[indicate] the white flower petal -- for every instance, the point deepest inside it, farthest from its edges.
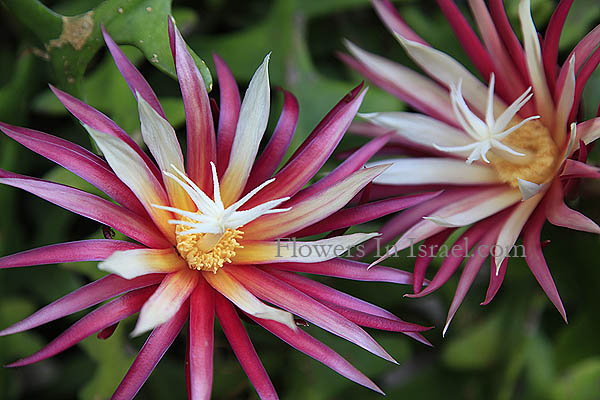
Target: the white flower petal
(565, 103)
(529, 189)
(130, 264)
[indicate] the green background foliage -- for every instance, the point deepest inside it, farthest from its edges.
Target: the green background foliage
(516, 348)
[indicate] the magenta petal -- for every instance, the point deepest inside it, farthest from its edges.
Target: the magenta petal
(389, 15)
(577, 169)
(201, 341)
(582, 77)
(155, 347)
(84, 297)
(95, 208)
(95, 119)
(310, 346)
(135, 80)
(348, 269)
(273, 290)
(97, 320)
(495, 281)
(243, 348)
(535, 258)
(364, 213)
(582, 52)
(432, 244)
(229, 113)
(559, 214)
(275, 150)
(82, 250)
(551, 39)
(313, 153)
(77, 160)
(201, 145)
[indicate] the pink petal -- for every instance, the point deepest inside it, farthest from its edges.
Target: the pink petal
(310, 346)
(551, 39)
(577, 169)
(84, 297)
(289, 298)
(496, 280)
(82, 250)
(201, 341)
(582, 77)
(278, 145)
(348, 269)
(229, 114)
(559, 214)
(155, 347)
(95, 119)
(392, 19)
(243, 348)
(135, 80)
(201, 143)
(77, 160)
(103, 317)
(535, 259)
(95, 208)
(432, 245)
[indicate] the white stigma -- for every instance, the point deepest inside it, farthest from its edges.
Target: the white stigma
(486, 134)
(212, 216)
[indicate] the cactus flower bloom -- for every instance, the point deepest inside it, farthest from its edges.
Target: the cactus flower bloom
(206, 232)
(505, 150)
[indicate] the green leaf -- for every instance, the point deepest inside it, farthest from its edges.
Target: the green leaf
(582, 382)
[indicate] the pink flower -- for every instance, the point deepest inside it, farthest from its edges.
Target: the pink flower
(505, 154)
(208, 230)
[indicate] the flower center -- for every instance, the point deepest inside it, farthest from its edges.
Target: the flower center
(208, 237)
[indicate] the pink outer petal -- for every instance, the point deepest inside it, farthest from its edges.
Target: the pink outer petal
(229, 114)
(577, 169)
(584, 74)
(243, 348)
(551, 39)
(582, 52)
(364, 213)
(509, 38)
(291, 299)
(389, 15)
(310, 346)
(352, 164)
(422, 262)
(535, 258)
(99, 319)
(135, 80)
(313, 153)
(201, 142)
(95, 208)
(155, 347)
(84, 297)
(275, 151)
(560, 215)
(95, 119)
(77, 160)
(495, 281)
(82, 250)
(348, 269)
(201, 341)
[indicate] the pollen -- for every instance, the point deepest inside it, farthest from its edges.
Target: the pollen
(190, 249)
(535, 140)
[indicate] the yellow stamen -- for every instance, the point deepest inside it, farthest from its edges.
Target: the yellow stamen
(534, 140)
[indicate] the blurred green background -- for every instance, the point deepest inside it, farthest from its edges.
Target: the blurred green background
(516, 348)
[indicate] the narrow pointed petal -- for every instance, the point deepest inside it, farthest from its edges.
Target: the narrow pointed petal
(310, 210)
(551, 39)
(373, 321)
(274, 152)
(537, 263)
(394, 22)
(560, 215)
(103, 317)
(267, 252)
(229, 95)
(91, 117)
(577, 169)
(81, 250)
(589, 130)
(533, 56)
(496, 279)
(162, 142)
(135, 80)
(130, 168)
(287, 297)
(95, 208)
(231, 288)
(201, 141)
(201, 345)
(84, 297)
(254, 115)
(155, 347)
(310, 346)
(349, 269)
(166, 301)
(244, 350)
(77, 160)
(423, 171)
(432, 245)
(565, 104)
(130, 264)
